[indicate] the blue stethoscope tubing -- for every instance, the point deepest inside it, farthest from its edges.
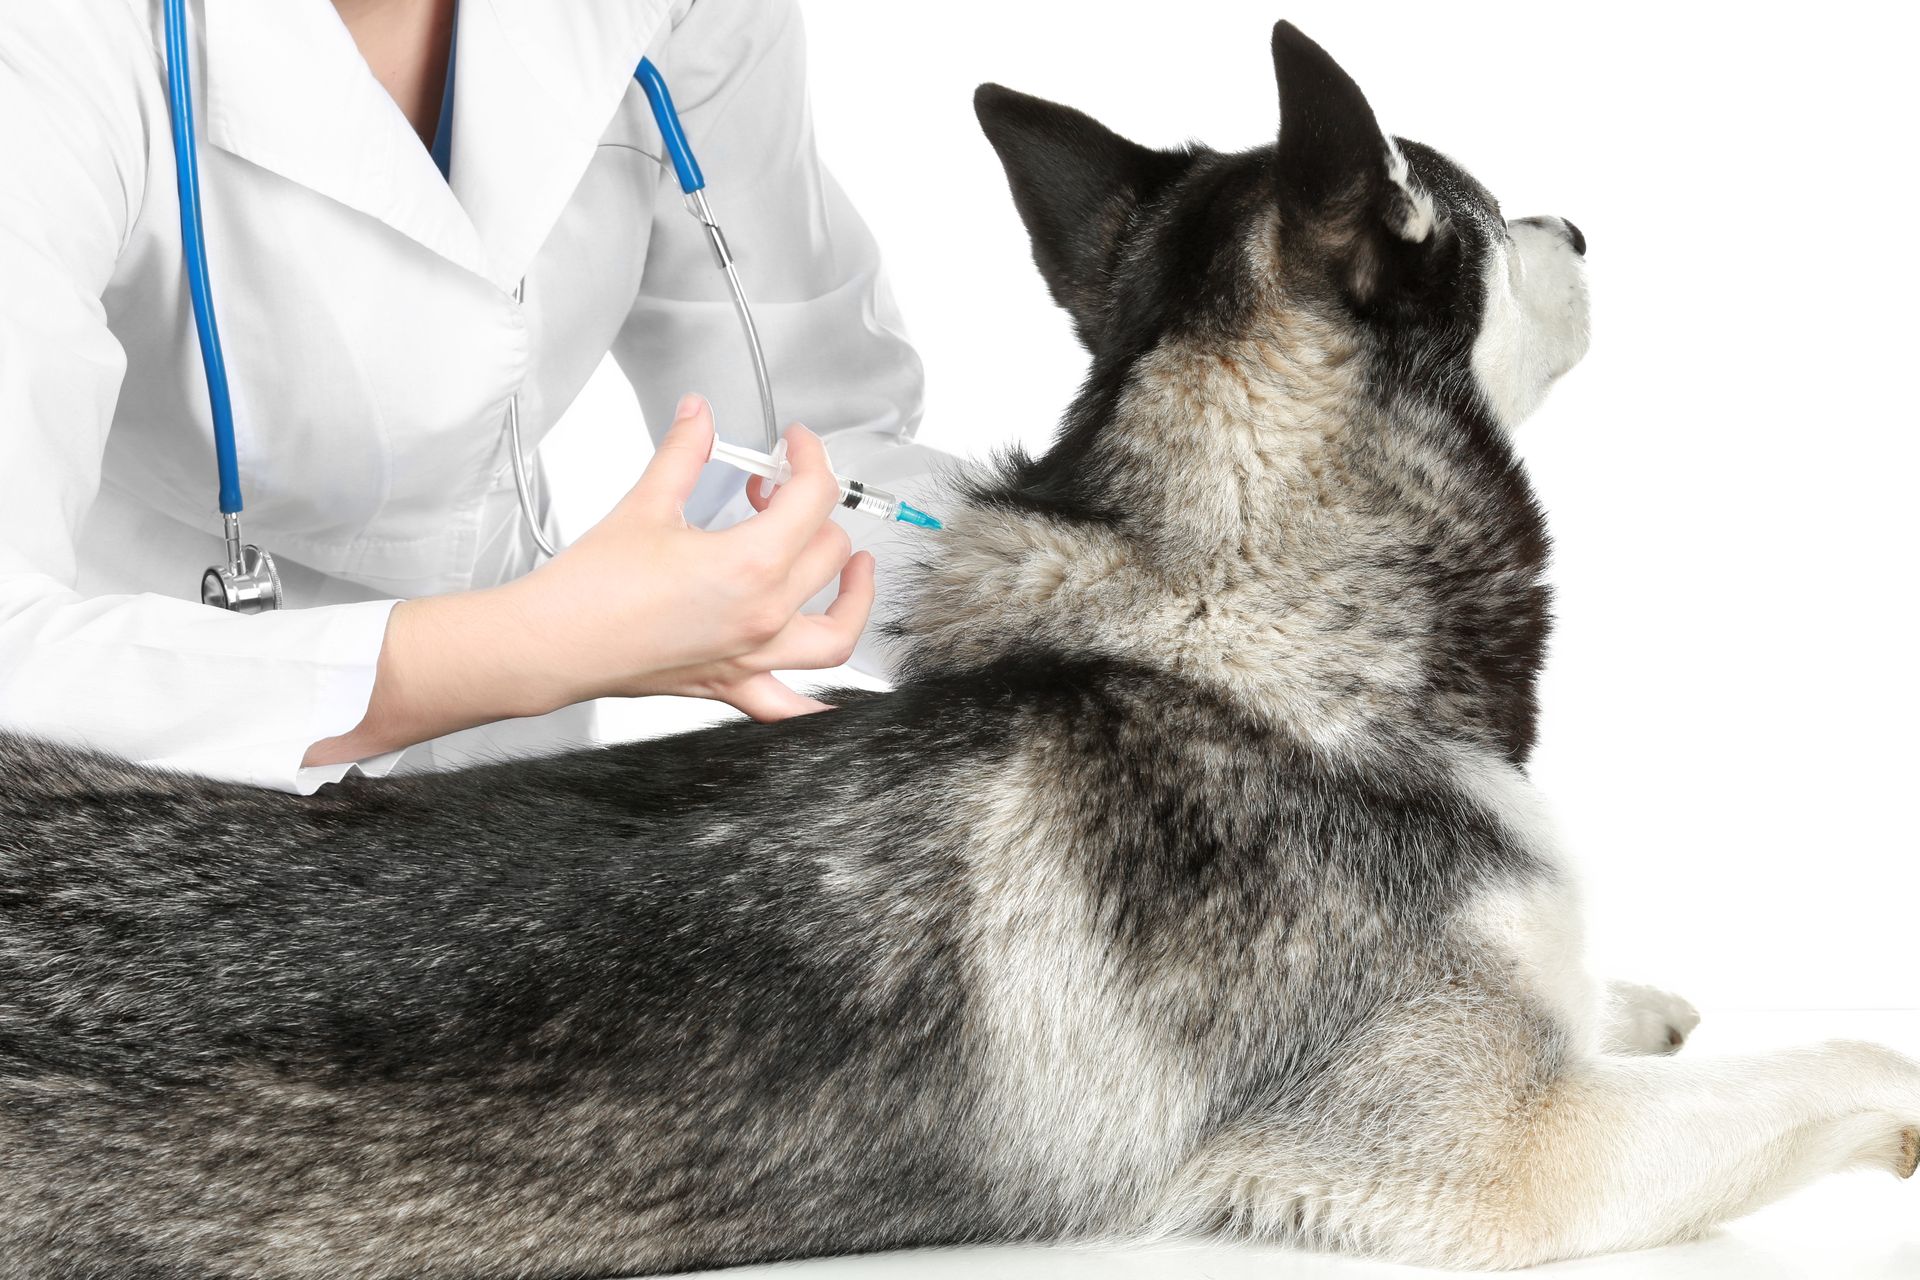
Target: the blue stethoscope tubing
(193, 237)
(251, 582)
(685, 168)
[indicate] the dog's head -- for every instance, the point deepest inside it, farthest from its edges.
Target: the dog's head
(1389, 244)
(1287, 474)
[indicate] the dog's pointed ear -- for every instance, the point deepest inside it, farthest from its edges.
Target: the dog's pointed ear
(1334, 169)
(1076, 183)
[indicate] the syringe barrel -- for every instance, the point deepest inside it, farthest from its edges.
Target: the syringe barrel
(855, 496)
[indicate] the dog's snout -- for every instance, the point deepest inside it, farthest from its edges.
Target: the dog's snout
(1561, 226)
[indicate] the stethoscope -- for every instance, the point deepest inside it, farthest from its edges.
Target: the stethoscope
(248, 581)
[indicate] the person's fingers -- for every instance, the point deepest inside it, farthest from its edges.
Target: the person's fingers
(802, 504)
(811, 642)
(765, 699)
(819, 563)
(855, 602)
(759, 492)
(682, 452)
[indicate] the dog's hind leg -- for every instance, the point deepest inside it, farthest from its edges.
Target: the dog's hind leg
(1615, 1153)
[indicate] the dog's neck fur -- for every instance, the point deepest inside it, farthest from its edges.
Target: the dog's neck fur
(1284, 536)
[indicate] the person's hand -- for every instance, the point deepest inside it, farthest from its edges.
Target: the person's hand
(644, 603)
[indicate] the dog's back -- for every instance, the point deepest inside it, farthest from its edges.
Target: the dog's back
(922, 970)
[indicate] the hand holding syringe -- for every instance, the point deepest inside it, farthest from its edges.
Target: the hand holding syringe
(854, 495)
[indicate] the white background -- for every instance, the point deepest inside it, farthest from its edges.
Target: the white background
(1729, 733)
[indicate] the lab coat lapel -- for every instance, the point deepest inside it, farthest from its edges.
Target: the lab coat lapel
(287, 89)
(537, 83)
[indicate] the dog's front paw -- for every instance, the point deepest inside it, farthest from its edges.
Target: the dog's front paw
(1646, 1019)
(1881, 1141)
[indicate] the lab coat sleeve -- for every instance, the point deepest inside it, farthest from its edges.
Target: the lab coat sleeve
(163, 681)
(836, 346)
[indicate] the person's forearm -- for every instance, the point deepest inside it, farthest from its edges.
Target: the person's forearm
(447, 663)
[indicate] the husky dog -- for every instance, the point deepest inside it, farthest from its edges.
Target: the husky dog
(1189, 885)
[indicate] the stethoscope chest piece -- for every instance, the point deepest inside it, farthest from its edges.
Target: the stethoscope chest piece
(246, 583)
(252, 586)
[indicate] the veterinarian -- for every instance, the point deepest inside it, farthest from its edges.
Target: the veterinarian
(379, 177)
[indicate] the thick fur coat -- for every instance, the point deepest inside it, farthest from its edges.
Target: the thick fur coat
(1189, 884)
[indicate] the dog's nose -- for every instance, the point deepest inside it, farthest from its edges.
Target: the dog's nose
(1574, 238)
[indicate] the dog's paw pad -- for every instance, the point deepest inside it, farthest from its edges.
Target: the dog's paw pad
(1909, 1157)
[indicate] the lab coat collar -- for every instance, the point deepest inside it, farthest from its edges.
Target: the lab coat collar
(535, 85)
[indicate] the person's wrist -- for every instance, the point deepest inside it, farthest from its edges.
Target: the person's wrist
(534, 666)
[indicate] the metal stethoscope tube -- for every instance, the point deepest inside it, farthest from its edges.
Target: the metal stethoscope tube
(521, 485)
(696, 202)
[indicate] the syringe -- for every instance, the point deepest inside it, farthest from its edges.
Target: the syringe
(854, 495)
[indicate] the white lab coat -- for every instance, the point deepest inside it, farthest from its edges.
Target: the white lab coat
(372, 337)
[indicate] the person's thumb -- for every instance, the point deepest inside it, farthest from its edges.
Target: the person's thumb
(766, 699)
(681, 453)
